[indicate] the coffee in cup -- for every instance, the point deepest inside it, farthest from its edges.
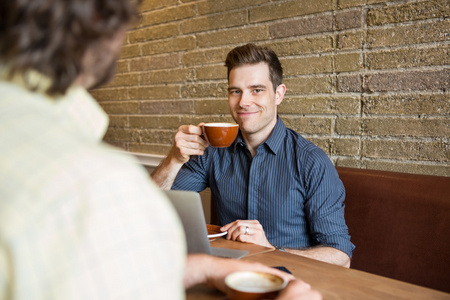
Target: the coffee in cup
(220, 134)
(249, 285)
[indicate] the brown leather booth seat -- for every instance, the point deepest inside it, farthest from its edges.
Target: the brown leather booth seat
(400, 224)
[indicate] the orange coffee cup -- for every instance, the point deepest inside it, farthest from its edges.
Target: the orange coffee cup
(220, 134)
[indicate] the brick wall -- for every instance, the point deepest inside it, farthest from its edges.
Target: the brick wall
(367, 80)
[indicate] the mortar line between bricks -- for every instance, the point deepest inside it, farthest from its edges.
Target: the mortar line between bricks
(408, 23)
(406, 161)
(402, 70)
(417, 46)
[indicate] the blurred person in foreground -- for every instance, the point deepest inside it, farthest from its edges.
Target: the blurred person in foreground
(79, 220)
(272, 187)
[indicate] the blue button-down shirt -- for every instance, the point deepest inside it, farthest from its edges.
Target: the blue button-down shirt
(290, 186)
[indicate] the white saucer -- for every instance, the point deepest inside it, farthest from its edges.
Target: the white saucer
(210, 236)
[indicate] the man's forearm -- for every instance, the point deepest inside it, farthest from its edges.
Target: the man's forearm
(165, 174)
(326, 254)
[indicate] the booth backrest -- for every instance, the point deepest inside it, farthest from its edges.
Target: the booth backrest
(400, 224)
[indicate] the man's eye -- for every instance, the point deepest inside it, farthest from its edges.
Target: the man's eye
(235, 92)
(257, 91)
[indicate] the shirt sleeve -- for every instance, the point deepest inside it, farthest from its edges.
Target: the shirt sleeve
(324, 205)
(193, 175)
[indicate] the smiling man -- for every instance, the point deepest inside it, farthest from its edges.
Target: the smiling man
(272, 187)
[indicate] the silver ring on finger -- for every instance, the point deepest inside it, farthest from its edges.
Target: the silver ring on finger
(246, 229)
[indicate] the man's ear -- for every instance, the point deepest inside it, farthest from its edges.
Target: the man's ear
(279, 93)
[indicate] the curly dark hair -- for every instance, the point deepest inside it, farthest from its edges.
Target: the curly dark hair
(51, 36)
(252, 54)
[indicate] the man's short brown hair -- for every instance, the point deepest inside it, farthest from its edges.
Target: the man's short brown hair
(251, 54)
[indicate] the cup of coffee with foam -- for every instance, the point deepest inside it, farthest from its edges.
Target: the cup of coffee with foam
(220, 134)
(250, 285)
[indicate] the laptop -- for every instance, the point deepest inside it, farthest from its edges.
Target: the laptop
(189, 207)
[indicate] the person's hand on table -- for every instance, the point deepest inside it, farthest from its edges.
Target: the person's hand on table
(248, 231)
(188, 141)
(211, 270)
(298, 290)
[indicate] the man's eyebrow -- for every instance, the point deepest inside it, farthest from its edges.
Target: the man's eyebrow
(258, 86)
(253, 86)
(232, 88)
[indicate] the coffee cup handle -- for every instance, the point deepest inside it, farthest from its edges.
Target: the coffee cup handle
(203, 136)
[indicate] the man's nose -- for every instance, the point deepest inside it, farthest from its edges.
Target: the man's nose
(245, 99)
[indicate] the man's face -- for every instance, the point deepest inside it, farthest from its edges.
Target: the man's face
(253, 102)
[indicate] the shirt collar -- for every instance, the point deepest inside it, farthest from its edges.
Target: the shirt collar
(84, 113)
(77, 107)
(273, 142)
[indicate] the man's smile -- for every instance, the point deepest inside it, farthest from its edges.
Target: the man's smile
(246, 113)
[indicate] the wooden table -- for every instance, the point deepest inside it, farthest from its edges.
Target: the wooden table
(252, 248)
(332, 281)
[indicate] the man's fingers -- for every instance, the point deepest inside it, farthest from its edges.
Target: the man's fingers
(190, 129)
(190, 140)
